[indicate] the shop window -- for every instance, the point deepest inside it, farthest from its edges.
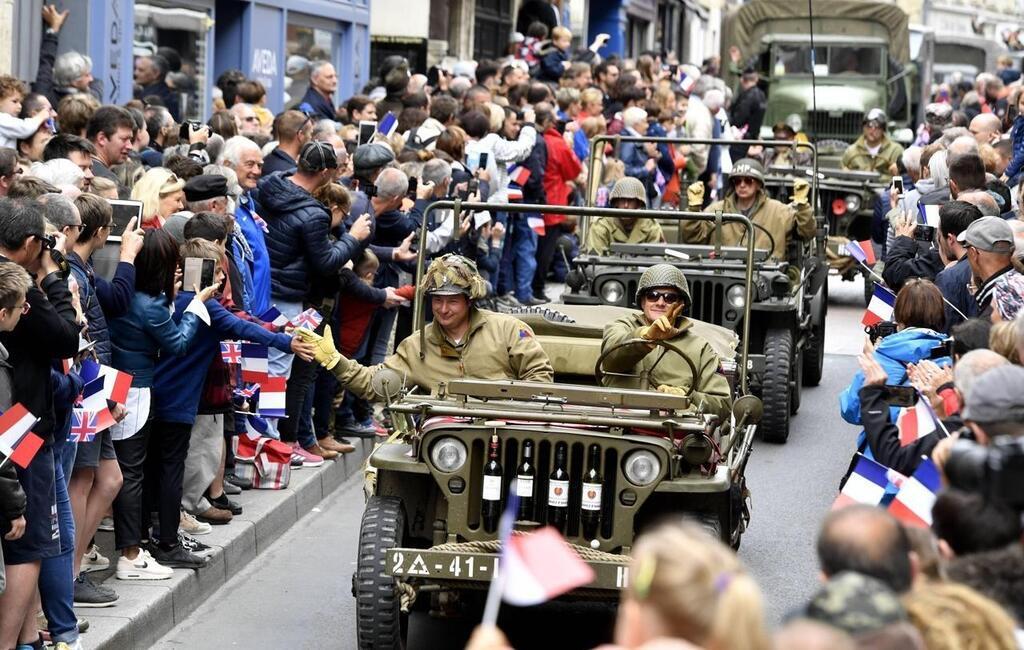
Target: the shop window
(304, 45)
(186, 31)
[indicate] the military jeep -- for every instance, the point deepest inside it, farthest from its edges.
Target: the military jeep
(423, 542)
(787, 297)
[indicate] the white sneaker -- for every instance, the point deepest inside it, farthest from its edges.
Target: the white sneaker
(93, 560)
(63, 645)
(189, 524)
(143, 567)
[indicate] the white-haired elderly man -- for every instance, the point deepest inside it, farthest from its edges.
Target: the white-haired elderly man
(319, 98)
(244, 157)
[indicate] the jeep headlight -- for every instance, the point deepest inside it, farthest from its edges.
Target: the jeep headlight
(448, 454)
(641, 467)
(852, 203)
(737, 296)
(613, 292)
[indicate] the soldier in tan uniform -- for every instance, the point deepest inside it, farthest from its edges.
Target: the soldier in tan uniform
(628, 194)
(462, 341)
(663, 294)
(747, 197)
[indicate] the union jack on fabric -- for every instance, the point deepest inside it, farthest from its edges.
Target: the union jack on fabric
(310, 319)
(231, 352)
(84, 426)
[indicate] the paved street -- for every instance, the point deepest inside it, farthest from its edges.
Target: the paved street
(297, 594)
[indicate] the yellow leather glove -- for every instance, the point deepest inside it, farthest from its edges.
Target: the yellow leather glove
(801, 188)
(664, 327)
(672, 390)
(695, 193)
(326, 354)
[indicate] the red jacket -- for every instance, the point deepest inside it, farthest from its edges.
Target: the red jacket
(563, 166)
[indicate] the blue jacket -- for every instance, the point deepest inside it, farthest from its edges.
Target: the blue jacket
(101, 299)
(259, 265)
(893, 353)
(666, 165)
(634, 157)
(298, 242)
(179, 380)
(317, 104)
(952, 282)
(278, 161)
(551, 68)
(536, 162)
(1017, 140)
(390, 228)
(146, 331)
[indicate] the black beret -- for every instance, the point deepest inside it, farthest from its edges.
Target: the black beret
(205, 186)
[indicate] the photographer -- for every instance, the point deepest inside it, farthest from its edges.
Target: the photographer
(918, 314)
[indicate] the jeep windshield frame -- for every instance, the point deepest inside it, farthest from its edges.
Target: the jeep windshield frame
(457, 206)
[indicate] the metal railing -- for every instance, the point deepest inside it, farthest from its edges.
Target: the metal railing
(458, 206)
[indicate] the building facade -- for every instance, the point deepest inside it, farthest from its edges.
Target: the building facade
(272, 41)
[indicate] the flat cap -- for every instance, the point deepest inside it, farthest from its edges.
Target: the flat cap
(996, 396)
(372, 156)
(991, 234)
(205, 186)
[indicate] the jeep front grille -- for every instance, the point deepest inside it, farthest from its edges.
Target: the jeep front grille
(827, 125)
(708, 301)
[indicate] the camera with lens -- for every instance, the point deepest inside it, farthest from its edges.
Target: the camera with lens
(880, 330)
(183, 130)
(997, 471)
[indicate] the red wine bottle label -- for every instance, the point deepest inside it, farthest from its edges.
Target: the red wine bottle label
(591, 496)
(492, 488)
(558, 493)
(524, 486)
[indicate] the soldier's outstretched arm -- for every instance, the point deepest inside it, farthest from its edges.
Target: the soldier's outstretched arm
(351, 374)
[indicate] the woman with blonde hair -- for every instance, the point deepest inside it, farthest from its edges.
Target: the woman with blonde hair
(162, 194)
(1002, 339)
(952, 616)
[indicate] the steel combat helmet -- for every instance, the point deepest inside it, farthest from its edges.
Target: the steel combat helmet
(748, 168)
(451, 275)
(663, 275)
(629, 188)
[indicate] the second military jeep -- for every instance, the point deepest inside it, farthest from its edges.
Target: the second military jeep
(424, 541)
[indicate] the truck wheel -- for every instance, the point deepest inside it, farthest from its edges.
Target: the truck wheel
(796, 383)
(775, 386)
(814, 357)
(380, 625)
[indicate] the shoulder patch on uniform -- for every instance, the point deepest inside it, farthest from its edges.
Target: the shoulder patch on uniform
(524, 333)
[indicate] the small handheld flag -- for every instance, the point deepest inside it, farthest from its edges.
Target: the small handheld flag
(880, 308)
(17, 441)
(388, 125)
(518, 174)
(915, 423)
(310, 319)
(913, 503)
(865, 485)
(114, 382)
(536, 224)
(231, 352)
(272, 397)
(862, 251)
(274, 317)
(254, 362)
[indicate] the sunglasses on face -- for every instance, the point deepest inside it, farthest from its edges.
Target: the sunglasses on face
(743, 180)
(669, 297)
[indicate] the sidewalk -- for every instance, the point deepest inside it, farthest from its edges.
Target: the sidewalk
(147, 609)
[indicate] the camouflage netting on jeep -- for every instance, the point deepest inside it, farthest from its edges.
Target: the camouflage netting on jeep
(451, 275)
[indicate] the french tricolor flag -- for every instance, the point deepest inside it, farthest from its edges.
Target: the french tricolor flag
(862, 251)
(274, 317)
(388, 125)
(865, 485)
(254, 362)
(518, 174)
(916, 422)
(913, 503)
(880, 308)
(272, 397)
(536, 224)
(686, 82)
(115, 383)
(17, 441)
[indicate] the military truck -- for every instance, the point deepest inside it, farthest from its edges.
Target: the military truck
(859, 62)
(788, 297)
(423, 542)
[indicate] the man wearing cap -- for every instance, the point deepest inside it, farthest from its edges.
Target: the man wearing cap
(995, 404)
(301, 254)
(989, 244)
(627, 194)
(873, 151)
(781, 155)
(292, 130)
(663, 295)
(746, 196)
(938, 116)
(461, 341)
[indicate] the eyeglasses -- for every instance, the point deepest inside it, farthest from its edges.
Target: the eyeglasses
(669, 297)
(743, 180)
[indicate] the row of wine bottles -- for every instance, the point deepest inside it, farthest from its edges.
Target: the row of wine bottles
(558, 489)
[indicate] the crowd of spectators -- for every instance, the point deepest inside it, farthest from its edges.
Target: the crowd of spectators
(303, 210)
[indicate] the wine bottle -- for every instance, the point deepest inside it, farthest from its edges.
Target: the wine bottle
(590, 504)
(491, 510)
(558, 490)
(524, 483)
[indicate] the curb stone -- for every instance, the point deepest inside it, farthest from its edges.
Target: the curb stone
(148, 609)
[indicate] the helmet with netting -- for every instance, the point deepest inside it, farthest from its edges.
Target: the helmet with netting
(663, 275)
(629, 188)
(451, 275)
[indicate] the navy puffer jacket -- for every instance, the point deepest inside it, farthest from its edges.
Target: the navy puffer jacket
(298, 238)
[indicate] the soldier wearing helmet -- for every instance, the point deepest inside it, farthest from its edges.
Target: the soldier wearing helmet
(663, 296)
(873, 151)
(746, 195)
(629, 194)
(462, 341)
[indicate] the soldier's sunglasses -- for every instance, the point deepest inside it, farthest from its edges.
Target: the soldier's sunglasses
(669, 297)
